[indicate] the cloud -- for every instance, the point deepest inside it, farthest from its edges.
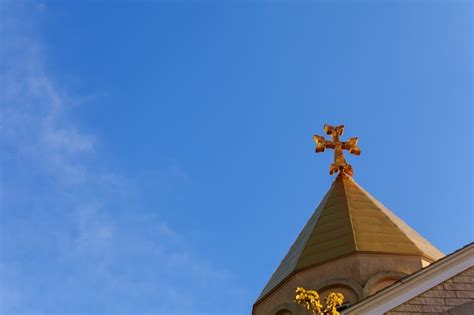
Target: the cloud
(72, 239)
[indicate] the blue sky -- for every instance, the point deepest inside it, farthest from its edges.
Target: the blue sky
(157, 157)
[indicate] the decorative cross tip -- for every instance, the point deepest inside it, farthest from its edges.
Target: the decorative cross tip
(340, 164)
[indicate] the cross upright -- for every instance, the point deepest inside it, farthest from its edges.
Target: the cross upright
(340, 164)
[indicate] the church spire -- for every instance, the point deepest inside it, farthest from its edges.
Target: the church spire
(351, 244)
(350, 221)
(340, 164)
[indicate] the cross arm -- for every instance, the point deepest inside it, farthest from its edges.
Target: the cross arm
(351, 145)
(322, 144)
(339, 130)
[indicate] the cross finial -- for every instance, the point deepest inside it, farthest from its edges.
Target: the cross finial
(340, 165)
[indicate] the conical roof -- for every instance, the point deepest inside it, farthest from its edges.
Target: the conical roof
(349, 220)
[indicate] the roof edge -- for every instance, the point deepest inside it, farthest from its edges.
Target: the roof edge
(316, 214)
(411, 285)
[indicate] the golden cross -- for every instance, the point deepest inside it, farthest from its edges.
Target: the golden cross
(340, 165)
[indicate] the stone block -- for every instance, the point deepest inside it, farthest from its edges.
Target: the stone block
(439, 293)
(439, 287)
(463, 279)
(468, 272)
(414, 308)
(454, 302)
(435, 308)
(464, 294)
(459, 286)
(427, 301)
(408, 308)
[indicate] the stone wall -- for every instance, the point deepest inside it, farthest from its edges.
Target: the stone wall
(351, 272)
(446, 296)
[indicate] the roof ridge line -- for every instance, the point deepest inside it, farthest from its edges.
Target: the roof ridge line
(316, 214)
(350, 212)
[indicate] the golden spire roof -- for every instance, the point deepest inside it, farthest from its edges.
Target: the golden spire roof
(348, 221)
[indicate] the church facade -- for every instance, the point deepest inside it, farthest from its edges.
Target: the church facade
(444, 287)
(354, 245)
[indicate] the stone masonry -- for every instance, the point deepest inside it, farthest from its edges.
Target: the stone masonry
(441, 298)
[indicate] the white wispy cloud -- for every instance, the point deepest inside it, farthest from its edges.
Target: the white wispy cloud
(70, 239)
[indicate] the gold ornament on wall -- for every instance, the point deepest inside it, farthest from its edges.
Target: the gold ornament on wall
(310, 300)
